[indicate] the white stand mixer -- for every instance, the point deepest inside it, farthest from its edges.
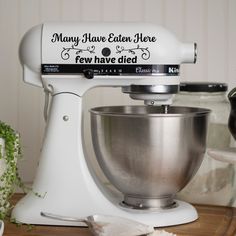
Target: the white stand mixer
(67, 60)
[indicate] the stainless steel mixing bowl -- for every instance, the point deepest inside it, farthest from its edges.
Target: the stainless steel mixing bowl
(147, 155)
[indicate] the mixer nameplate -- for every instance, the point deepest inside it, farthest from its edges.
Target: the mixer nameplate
(98, 69)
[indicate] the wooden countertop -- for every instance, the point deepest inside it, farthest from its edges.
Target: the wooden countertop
(213, 221)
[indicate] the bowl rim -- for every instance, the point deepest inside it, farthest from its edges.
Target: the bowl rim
(107, 111)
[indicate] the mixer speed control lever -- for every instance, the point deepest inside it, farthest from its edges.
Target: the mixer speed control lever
(89, 74)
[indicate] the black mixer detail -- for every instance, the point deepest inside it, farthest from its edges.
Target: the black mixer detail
(89, 74)
(115, 70)
(106, 52)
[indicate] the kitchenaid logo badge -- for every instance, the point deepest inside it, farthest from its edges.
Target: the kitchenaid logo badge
(127, 54)
(173, 70)
(158, 69)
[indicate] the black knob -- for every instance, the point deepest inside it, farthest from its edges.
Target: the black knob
(89, 74)
(106, 52)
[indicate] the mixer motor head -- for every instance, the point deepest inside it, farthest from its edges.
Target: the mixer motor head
(143, 59)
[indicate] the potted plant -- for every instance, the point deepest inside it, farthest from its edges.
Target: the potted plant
(9, 177)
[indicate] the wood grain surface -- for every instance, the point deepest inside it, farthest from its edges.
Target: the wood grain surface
(213, 221)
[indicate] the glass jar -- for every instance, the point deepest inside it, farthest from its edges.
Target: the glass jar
(214, 181)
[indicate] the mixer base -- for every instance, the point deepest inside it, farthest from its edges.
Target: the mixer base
(182, 213)
(28, 211)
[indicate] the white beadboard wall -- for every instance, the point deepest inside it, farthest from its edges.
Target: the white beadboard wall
(210, 23)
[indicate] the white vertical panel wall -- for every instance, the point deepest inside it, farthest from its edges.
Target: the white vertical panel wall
(196, 30)
(210, 23)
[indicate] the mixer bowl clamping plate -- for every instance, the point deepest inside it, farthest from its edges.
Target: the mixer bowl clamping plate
(146, 154)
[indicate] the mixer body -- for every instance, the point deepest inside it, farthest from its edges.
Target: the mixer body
(68, 59)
